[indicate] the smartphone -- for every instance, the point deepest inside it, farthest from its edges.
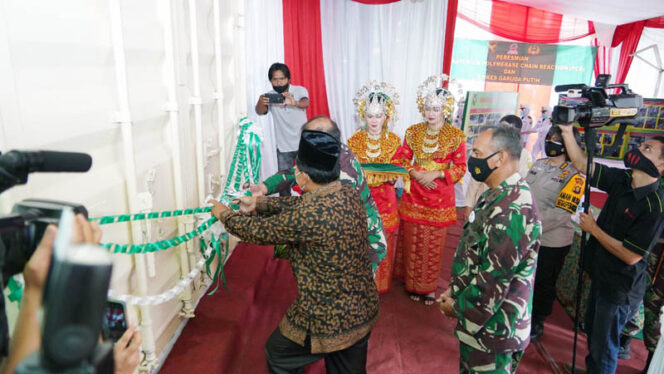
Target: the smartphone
(115, 320)
(275, 98)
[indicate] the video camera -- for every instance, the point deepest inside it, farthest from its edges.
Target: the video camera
(21, 231)
(78, 278)
(594, 107)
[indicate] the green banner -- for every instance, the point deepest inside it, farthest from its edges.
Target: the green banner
(522, 63)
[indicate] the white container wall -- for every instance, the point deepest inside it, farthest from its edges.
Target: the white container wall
(153, 91)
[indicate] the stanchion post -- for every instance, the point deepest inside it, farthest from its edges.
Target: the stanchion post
(187, 310)
(590, 151)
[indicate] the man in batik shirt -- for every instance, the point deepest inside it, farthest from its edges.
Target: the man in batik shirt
(351, 174)
(493, 272)
(337, 302)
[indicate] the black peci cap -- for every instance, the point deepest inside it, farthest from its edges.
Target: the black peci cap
(318, 150)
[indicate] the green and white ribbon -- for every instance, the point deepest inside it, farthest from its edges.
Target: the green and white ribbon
(161, 244)
(105, 220)
(245, 167)
(15, 286)
(215, 246)
(246, 162)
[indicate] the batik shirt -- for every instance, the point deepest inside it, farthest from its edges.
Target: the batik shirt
(351, 174)
(327, 243)
(493, 271)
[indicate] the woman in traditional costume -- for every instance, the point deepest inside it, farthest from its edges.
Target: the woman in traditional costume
(375, 146)
(434, 152)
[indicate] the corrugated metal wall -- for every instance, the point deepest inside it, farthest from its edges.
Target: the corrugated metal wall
(62, 79)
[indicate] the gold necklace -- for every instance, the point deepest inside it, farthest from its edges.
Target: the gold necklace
(373, 147)
(430, 141)
(433, 132)
(374, 136)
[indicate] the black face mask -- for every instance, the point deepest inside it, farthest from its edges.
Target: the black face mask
(281, 89)
(479, 167)
(634, 159)
(553, 149)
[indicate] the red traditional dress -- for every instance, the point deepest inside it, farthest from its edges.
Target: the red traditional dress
(382, 190)
(425, 214)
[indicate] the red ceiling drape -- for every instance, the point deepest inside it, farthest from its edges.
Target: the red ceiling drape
(628, 35)
(523, 23)
(656, 23)
(303, 51)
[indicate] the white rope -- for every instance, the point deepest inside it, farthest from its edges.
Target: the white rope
(167, 295)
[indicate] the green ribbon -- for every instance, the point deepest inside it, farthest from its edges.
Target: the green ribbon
(247, 154)
(246, 161)
(280, 251)
(15, 291)
(161, 244)
(105, 220)
(218, 274)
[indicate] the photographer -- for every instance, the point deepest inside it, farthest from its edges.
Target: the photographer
(288, 115)
(27, 335)
(621, 240)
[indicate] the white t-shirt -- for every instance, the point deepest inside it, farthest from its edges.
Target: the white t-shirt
(288, 120)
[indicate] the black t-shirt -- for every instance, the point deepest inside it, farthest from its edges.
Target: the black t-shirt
(633, 216)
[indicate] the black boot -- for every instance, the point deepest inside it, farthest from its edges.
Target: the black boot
(536, 329)
(625, 343)
(645, 370)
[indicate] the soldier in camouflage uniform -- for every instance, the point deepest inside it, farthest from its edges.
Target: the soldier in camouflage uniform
(351, 173)
(493, 272)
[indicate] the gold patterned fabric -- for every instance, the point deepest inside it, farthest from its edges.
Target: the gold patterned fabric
(389, 143)
(426, 213)
(386, 268)
(380, 184)
(419, 256)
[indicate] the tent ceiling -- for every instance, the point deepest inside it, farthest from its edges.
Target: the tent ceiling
(613, 12)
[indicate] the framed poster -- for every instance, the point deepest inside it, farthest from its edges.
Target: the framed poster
(486, 108)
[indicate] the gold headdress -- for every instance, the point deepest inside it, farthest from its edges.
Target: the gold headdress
(431, 92)
(375, 97)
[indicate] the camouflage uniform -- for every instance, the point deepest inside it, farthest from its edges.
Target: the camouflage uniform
(492, 278)
(351, 174)
(648, 315)
(653, 302)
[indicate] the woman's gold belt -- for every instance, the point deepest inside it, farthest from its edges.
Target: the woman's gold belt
(432, 165)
